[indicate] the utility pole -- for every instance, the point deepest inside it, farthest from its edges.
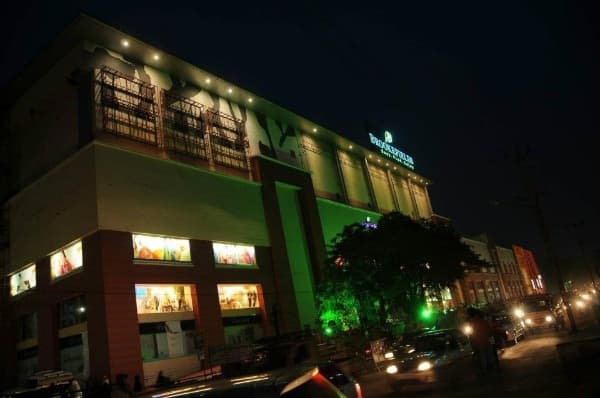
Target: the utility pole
(521, 160)
(581, 244)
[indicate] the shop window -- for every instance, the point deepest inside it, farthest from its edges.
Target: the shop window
(27, 327)
(153, 299)
(66, 260)
(23, 280)
(153, 248)
(239, 296)
(230, 255)
(171, 339)
(481, 293)
(72, 312)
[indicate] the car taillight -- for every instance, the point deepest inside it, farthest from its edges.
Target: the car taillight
(358, 390)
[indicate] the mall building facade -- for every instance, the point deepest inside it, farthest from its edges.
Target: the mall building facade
(156, 211)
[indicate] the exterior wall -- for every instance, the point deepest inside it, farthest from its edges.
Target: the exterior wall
(46, 110)
(402, 190)
(382, 189)
(422, 201)
(139, 193)
(320, 160)
(353, 173)
(530, 272)
(335, 216)
(56, 209)
(511, 275)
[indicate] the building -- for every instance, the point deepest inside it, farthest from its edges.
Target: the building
(158, 213)
(529, 270)
(503, 280)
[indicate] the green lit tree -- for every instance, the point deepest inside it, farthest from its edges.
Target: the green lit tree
(383, 273)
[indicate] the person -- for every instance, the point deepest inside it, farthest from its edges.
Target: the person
(481, 340)
(106, 387)
(121, 388)
(162, 380)
(75, 389)
(137, 384)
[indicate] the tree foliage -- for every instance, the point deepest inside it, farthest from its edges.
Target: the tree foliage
(375, 275)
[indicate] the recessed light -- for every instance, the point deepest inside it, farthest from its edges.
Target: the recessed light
(230, 90)
(314, 129)
(387, 164)
(394, 167)
(350, 147)
(370, 156)
(125, 43)
(250, 100)
(207, 80)
(379, 160)
(156, 57)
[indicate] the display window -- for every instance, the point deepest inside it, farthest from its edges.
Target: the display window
(229, 254)
(27, 327)
(160, 248)
(171, 339)
(155, 299)
(238, 296)
(66, 260)
(23, 280)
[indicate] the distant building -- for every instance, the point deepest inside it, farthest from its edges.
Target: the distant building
(530, 272)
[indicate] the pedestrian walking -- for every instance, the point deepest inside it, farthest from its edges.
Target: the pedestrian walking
(481, 340)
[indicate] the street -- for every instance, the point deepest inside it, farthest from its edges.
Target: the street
(532, 368)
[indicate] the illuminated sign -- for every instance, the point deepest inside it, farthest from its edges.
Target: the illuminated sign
(66, 260)
(233, 297)
(159, 248)
(154, 299)
(22, 281)
(233, 254)
(390, 151)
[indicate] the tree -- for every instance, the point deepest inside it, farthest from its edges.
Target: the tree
(387, 270)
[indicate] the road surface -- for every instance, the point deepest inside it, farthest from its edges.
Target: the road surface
(532, 368)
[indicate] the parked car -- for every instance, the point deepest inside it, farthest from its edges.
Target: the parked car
(435, 356)
(507, 329)
(295, 382)
(45, 383)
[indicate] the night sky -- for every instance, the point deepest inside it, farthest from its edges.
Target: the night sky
(460, 84)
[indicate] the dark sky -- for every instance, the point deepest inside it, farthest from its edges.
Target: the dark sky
(459, 83)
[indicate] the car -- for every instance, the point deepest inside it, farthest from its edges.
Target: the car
(45, 383)
(296, 382)
(435, 356)
(507, 329)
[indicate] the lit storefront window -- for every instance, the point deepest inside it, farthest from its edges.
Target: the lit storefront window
(66, 260)
(160, 248)
(233, 297)
(229, 254)
(23, 280)
(155, 299)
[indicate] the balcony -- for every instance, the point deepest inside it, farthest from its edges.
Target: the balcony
(130, 108)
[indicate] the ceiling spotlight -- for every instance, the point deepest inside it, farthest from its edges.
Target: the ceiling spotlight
(379, 160)
(394, 167)
(314, 129)
(250, 100)
(125, 43)
(156, 57)
(387, 164)
(350, 147)
(207, 80)
(370, 156)
(230, 90)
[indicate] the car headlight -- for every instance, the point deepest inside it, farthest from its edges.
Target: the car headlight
(519, 313)
(392, 369)
(425, 365)
(549, 319)
(389, 355)
(468, 330)
(528, 321)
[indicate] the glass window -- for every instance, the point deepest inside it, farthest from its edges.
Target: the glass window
(66, 260)
(23, 280)
(152, 299)
(72, 356)
(230, 254)
(171, 339)
(27, 364)
(27, 327)
(232, 297)
(160, 248)
(72, 312)
(472, 292)
(481, 293)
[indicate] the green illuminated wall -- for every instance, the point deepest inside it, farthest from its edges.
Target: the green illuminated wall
(322, 165)
(354, 178)
(382, 189)
(297, 251)
(335, 216)
(403, 195)
(422, 201)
